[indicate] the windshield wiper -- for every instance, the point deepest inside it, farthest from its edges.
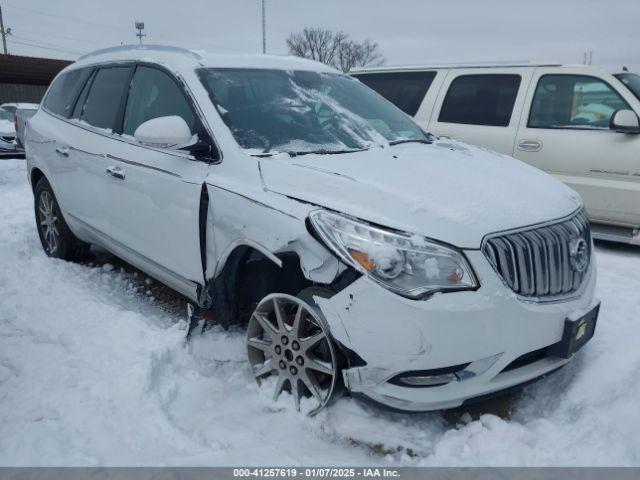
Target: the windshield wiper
(323, 151)
(411, 140)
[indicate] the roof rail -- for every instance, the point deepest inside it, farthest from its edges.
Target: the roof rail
(483, 64)
(146, 47)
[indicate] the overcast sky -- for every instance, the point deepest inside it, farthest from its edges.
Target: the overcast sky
(408, 31)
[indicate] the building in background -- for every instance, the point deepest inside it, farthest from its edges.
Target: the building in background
(25, 79)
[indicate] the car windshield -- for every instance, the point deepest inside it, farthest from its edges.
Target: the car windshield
(5, 115)
(631, 81)
(297, 112)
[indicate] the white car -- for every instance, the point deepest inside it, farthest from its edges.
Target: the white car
(579, 123)
(7, 134)
(361, 252)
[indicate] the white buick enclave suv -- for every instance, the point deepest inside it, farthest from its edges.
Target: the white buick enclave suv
(363, 254)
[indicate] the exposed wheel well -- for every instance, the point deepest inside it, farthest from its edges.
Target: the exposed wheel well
(36, 175)
(247, 277)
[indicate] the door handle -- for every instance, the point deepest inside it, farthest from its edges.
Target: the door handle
(63, 151)
(530, 145)
(116, 172)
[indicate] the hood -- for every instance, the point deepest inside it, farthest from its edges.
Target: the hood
(446, 191)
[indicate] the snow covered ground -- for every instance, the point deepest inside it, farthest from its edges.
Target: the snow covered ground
(94, 372)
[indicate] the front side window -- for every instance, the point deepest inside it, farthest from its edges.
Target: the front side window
(405, 90)
(155, 94)
(481, 100)
(574, 101)
(64, 90)
(631, 81)
(105, 97)
(271, 111)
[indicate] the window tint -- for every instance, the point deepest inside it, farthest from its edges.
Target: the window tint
(105, 96)
(155, 94)
(573, 101)
(632, 82)
(481, 100)
(405, 90)
(64, 90)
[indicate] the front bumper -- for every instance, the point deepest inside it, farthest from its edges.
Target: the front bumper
(487, 329)
(9, 148)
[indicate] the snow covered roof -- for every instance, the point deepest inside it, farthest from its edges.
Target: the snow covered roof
(185, 58)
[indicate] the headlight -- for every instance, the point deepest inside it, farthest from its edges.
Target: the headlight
(408, 265)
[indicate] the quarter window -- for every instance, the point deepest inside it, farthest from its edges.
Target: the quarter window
(573, 101)
(64, 90)
(105, 97)
(405, 90)
(481, 100)
(155, 94)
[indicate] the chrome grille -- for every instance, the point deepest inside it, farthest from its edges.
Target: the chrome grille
(543, 261)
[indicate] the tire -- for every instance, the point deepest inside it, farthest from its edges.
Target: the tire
(56, 238)
(287, 339)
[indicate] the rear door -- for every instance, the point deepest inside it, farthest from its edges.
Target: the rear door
(565, 131)
(481, 106)
(154, 194)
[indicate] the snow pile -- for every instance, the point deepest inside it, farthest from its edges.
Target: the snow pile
(93, 373)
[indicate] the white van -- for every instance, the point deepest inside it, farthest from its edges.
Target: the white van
(579, 123)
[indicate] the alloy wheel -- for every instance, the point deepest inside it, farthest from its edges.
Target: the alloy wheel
(48, 222)
(287, 339)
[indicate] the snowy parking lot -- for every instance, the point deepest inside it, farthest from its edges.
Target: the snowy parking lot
(95, 371)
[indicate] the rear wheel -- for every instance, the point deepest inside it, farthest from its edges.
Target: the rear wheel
(287, 339)
(56, 238)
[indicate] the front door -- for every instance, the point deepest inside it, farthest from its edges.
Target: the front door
(566, 132)
(154, 193)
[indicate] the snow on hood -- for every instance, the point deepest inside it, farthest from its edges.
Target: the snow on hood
(447, 191)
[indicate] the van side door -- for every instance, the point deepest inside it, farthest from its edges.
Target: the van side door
(481, 106)
(565, 131)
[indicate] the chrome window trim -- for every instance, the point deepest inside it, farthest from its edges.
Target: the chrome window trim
(115, 136)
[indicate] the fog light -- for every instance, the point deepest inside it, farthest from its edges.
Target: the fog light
(428, 380)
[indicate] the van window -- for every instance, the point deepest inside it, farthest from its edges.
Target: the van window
(64, 91)
(573, 101)
(105, 96)
(405, 90)
(155, 94)
(631, 81)
(481, 100)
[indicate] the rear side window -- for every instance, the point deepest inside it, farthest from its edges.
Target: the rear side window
(405, 90)
(64, 90)
(481, 100)
(105, 96)
(155, 94)
(574, 101)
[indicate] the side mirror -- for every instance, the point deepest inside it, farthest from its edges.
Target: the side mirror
(168, 131)
(625, 121)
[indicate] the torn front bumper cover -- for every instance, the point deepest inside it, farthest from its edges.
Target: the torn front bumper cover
(442, 352)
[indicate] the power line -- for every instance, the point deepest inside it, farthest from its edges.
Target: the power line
(63, 17)
(56, 35)
(37, 42)
(44, 47)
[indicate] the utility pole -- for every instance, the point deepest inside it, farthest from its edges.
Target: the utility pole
(140, 27)
(264, 28)
(4, 34)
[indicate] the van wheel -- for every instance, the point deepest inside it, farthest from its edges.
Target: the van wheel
(56, 238)
(287, 339)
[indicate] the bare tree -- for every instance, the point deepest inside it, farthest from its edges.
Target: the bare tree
(334, 48)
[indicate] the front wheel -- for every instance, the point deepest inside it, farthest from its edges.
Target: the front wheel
(287, 339)
(56, 238)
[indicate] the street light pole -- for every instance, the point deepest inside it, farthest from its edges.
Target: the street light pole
(264, 27)
(4, 34)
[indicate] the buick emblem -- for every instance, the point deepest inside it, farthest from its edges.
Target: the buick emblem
(579, 254)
